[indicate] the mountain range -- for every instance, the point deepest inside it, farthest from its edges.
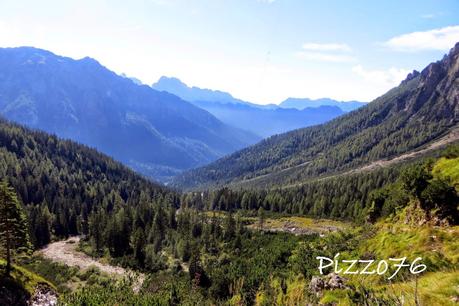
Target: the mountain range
(192, 94)
(156, 133)
(423, 110)
(302, 103)
(263, 120)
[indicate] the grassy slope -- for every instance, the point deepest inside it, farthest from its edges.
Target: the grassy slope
(445, 167)
(20, 285)
(438, 247)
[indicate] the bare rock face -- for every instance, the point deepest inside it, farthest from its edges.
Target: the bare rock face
(317, 285)
(336, 282)
(410, 76)
(451, 84)
(331, 281)
(438, 85)
(43, 296)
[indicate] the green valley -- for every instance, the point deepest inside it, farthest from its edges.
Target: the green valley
(359, 210)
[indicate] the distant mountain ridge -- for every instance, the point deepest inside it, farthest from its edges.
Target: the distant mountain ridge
(154, 132)
(195, 94)
(421, 110)
(263, 120)
(192, 94)
(302, 103)
(268, 122)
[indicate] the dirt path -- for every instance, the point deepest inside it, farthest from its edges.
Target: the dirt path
(65, 252)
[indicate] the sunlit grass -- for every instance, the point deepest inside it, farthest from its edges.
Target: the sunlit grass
(438, 288)
(438, 246)
(447, 168)
(27, 279)
(297, 224)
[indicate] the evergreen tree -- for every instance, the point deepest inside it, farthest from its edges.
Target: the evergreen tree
(230, 227)
(138, 242)
(96, 229)
(42, 230)
(13, 224)
(198, 276)
(261, 218)
(415, 179)
(172, 219)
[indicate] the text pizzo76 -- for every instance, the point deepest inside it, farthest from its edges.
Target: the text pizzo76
(370, 266)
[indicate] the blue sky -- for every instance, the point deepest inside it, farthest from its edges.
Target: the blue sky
(259, 50)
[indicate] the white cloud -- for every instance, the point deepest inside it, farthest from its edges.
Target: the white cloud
(326, 57)
(331, 52)
(327, 47)
(386, 78)
(436, 39)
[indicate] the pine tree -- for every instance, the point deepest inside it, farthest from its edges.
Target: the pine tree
(97, 225)
(172, 219)
(13, 224)
(230, 226)
(138, 242)
(157, 231)
(261, 218)
(198, 276)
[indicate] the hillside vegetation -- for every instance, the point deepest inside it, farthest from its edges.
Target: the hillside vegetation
(423, 108)
(195, 257)
(22, 285)
(241, 246)
(63, 183)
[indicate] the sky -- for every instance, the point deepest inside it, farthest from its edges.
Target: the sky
(262, 51)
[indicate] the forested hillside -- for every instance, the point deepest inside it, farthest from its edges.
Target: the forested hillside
(193, 256)
(64, 184)
(423, 108)
(235, 254)
(116, 192)
(357, 197)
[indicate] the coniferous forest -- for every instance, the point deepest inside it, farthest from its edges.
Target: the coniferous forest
(210, 246)
(116, 192)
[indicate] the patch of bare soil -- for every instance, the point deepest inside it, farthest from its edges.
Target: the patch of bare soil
(66, 252)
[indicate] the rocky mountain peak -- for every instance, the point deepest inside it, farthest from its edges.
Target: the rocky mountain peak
(410, 76)
(434, 72)
(455, 50)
